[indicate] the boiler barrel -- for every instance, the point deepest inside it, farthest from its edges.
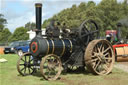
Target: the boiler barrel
(42, 46)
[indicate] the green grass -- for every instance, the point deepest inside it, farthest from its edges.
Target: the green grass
(10, 76)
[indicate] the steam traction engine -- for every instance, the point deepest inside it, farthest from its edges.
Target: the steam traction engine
(79, 49)
(120, 45)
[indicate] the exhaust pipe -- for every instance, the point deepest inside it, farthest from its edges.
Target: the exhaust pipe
(119, 30)
(38, 7)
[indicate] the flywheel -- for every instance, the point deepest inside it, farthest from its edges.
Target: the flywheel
(88, 31)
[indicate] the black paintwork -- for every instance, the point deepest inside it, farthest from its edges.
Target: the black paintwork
(38, 18)
(74, 57)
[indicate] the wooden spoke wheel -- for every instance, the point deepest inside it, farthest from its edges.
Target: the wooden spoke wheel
(51, 67)
(25, 64)
(99, 57)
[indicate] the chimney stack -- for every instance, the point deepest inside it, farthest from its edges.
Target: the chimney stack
(119, 25)
(38, 7)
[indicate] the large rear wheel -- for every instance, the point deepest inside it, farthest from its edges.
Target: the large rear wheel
(99, 57)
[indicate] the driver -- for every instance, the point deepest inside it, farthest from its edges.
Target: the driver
(65, 31)
(53, 31)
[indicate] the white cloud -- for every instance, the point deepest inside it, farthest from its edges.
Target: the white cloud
(2, 5)
(33, 19)
(50, 7)
(27, 0)
(20, 21)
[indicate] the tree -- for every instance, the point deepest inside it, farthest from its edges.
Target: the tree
(2, 22)
(106, 14)
(4, 35)
(30, 26)
(19, 34)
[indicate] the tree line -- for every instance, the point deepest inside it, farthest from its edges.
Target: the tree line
(107, 14)
(20, 33)
(6, 36)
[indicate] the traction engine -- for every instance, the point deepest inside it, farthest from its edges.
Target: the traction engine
(53, 54)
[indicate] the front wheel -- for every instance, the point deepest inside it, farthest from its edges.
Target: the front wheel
(51, 67)
(20, 52)
(25, 64)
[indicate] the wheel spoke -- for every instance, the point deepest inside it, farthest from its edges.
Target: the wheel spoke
(22, 60)
(84, 35)
(97, 65)
(97, 47)
(103, 49)
(29, 59)
(29, 70)
(101, 46)
(105, 68)
(25, 58)
(90, 27)
(84, 27)
(22, 69)
(31, 64)
(106, 49)
(97, 56)
(94, 32)
(106, 54)
(25, 70)
(94, 50)
(101, 70)
(95, 53)
(21, 64)
(56, 68)
(93, 56)
(94, 60)
(49, 72)
(108, 58)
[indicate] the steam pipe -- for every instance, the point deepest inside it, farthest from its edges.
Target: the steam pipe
(38, 7)
(119, 30)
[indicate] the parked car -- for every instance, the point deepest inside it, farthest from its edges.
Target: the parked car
(22, 48)
(10, 48)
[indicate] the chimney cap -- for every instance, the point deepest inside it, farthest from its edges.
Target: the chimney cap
(38, 4)
(119, 24)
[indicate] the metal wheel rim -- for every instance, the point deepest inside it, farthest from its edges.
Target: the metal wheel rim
(101, 60)
(50, 67)
(22, 66)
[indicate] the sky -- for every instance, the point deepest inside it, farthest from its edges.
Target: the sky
(19, 12)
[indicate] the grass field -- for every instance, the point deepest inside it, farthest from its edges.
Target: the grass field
(10, 76)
